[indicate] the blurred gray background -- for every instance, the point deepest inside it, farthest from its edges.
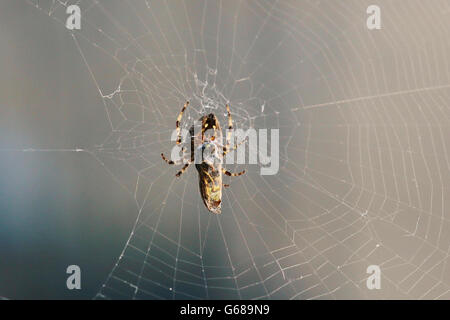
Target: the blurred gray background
(364, 164)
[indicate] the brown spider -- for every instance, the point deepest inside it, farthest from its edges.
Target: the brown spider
(210, 169)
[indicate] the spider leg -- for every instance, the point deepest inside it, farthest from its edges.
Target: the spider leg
(179, 173)
(177, 124)
(226, 150)
(166, 160)
(171, 162)
(230, 127)
(228, 173)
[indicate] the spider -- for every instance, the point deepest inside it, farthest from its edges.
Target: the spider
(211, 151)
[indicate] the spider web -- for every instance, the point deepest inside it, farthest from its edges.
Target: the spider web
(364, 164)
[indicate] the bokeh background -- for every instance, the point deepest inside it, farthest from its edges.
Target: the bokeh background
(364, 164)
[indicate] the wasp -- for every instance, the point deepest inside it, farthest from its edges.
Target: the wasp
(211, 152)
